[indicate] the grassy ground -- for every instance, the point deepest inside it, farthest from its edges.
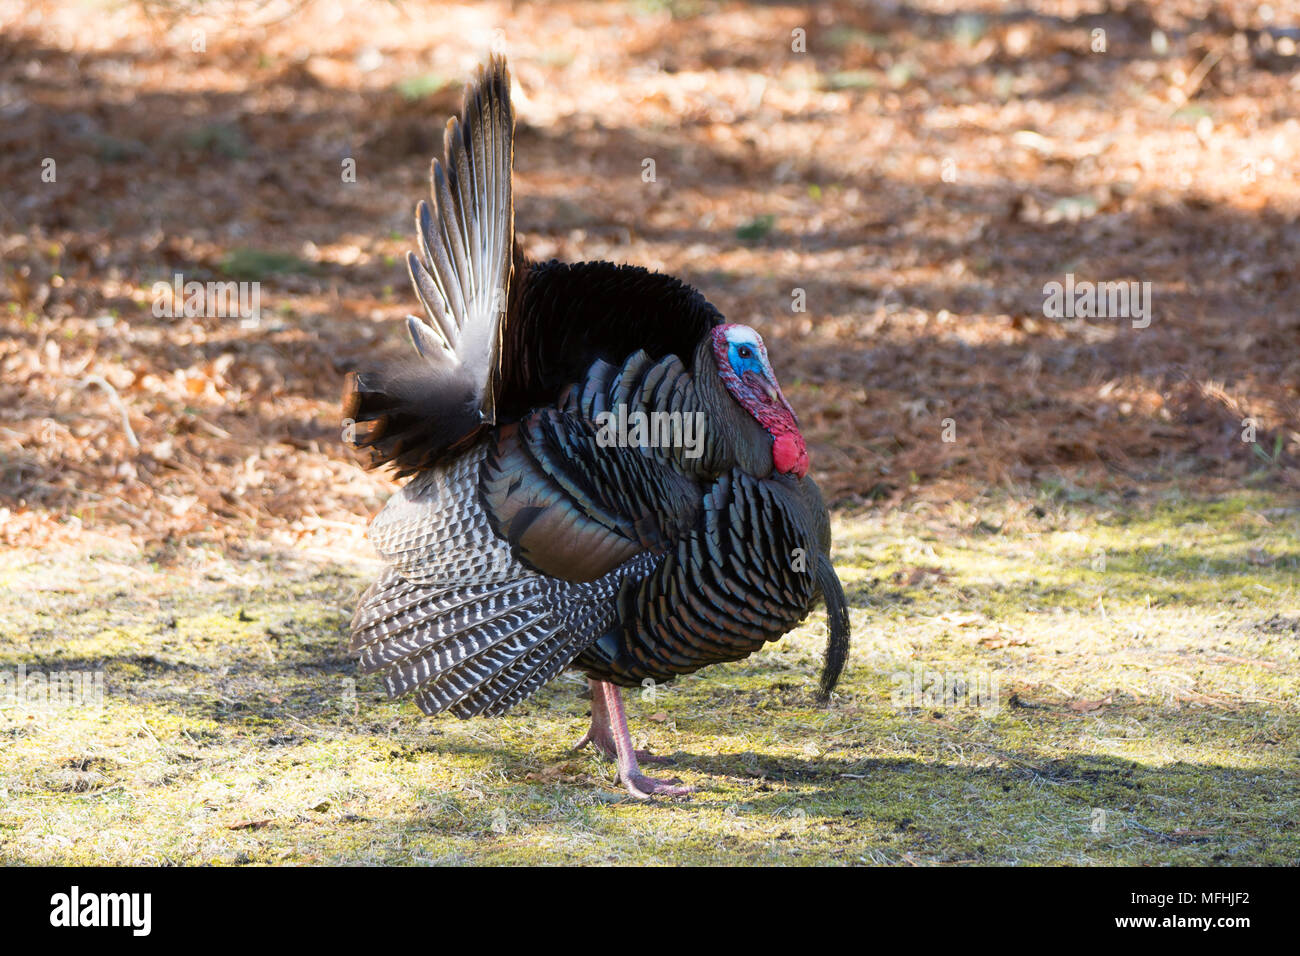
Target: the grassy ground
(1136, 664)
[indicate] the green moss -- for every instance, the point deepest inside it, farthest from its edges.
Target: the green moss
(1144, 657)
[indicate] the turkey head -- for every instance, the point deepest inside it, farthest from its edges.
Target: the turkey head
(741, 364)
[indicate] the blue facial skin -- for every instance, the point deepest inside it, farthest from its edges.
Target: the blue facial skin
(753, 362)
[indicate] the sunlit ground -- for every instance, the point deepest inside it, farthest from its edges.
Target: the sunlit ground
(1126, 693)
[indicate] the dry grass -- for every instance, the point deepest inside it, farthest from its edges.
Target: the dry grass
(1159, 691)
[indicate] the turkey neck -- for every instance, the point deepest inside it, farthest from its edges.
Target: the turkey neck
(733, 438)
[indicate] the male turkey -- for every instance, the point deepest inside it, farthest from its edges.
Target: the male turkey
(604, 474)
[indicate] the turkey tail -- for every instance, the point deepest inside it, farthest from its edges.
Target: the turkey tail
(456, 619)
(837, 623)
(410, 414)
(449, 647)
(479, 649)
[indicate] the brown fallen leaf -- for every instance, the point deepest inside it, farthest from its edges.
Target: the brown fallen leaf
(247, 825)
(914, 576)
(997, 639)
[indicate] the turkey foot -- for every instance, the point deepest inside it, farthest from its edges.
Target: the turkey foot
(609, 735)
(601, 735)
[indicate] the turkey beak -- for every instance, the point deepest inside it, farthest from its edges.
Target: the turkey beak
(766, 390)
(771, 392)
(777, 397)
(779, 400)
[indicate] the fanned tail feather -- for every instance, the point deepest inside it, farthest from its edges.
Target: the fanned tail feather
(479, 649)
(458, 621)
(411, 414)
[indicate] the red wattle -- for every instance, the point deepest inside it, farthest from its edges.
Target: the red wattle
(789, 454)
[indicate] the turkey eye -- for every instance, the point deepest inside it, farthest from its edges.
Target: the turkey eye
(745, 351)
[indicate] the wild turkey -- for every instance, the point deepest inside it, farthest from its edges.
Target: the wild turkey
(604, 475)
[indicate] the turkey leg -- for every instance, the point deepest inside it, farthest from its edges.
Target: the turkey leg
(609, 735)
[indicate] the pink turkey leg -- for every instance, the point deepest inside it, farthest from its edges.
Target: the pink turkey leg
(601, 735)
(609, 733)
(637, 783)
